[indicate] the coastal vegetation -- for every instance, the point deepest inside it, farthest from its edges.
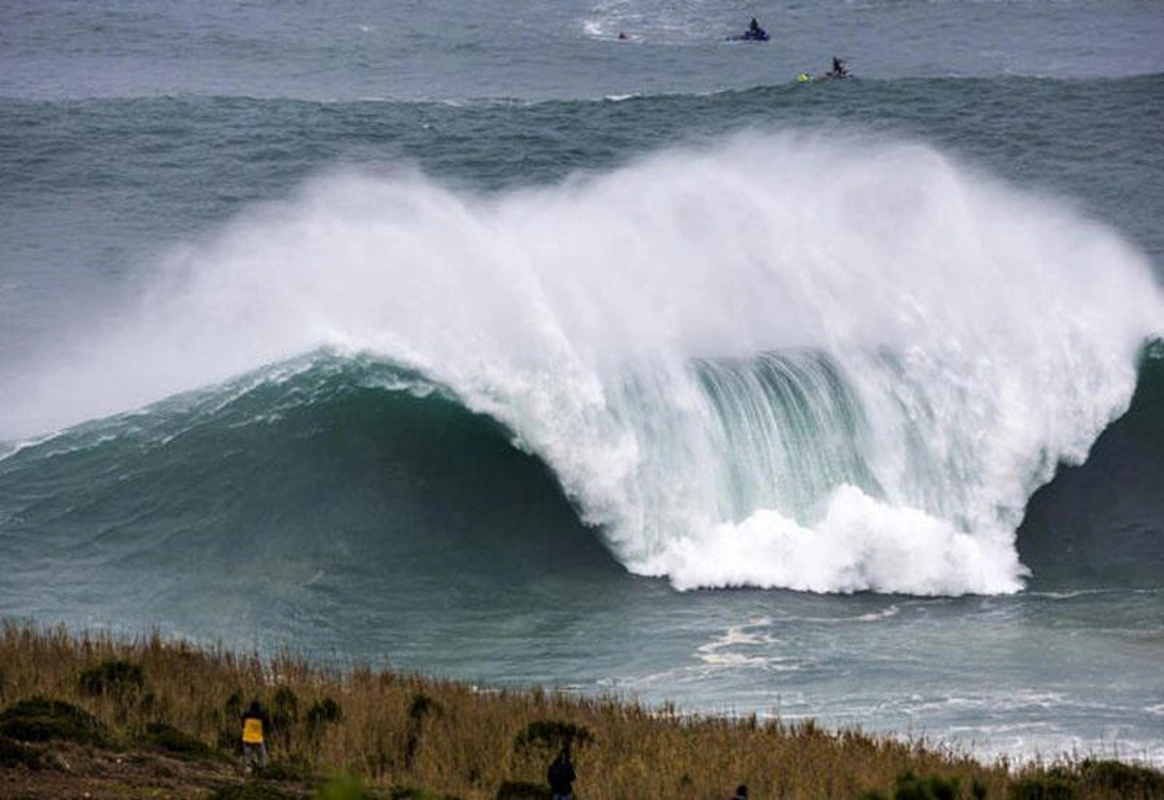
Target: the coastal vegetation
(92, 715)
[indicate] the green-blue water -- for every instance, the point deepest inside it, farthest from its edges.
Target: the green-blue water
(478, 341)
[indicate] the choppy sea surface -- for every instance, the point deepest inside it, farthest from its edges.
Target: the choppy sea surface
(478, 340)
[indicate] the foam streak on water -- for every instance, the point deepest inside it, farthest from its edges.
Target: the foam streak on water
(775, 361)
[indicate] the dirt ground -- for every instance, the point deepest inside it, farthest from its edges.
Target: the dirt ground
(72, 771)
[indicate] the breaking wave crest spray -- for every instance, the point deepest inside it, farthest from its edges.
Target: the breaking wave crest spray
(773, 361)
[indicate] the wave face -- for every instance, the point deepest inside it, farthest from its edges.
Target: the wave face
(773, 361)
(315, 482)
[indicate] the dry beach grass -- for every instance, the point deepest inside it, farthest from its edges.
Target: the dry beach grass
(149, 717)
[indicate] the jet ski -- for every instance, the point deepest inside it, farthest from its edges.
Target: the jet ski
(839, 72)
(754, 33)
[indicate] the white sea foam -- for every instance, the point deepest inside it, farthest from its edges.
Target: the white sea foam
(940, 342)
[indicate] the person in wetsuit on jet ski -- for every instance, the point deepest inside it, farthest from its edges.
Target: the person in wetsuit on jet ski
(755, 32)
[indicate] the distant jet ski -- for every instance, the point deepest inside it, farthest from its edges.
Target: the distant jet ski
(840, 71)
(753, 36)
(754, 33)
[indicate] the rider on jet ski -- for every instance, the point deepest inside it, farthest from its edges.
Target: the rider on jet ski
(754, 31)
(840, 68)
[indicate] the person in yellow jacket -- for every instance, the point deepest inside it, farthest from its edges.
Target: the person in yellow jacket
(256, 726)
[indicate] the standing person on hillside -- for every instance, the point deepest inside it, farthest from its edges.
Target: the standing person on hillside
(561, 776)
(256, 725)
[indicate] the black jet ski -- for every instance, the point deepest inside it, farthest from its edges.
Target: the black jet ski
(754, 33)
(839, 72)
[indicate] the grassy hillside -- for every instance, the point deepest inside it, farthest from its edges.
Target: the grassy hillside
(148, 717)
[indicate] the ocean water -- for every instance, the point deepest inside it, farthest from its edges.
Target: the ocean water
(475, 340)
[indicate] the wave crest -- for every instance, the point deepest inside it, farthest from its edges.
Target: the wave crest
(775, 361)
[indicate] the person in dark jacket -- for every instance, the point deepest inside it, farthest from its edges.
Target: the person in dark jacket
(561, 776)
(755, 31)
(741, 793)
(256, 727)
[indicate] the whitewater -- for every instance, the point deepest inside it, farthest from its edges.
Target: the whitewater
(774, 360)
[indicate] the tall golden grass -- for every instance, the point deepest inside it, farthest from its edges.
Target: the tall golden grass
(451, 739)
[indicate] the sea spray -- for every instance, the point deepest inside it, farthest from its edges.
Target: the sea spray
(772, 361)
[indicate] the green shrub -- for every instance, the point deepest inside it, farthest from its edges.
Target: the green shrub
(39, 719)
(284, 709)
(1126, 779)
(230, 740)
(423, 706)
(517, 790)
(935, 787)
(165, 737)
(15, 754)
(410, 793)
(111, 677)
(234, 706)
(252, 791)
(342, 787)
(552, 734)
(1042, 787)
(292, 768)
(322, 713)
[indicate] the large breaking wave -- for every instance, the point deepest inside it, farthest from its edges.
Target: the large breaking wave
(774, 361)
